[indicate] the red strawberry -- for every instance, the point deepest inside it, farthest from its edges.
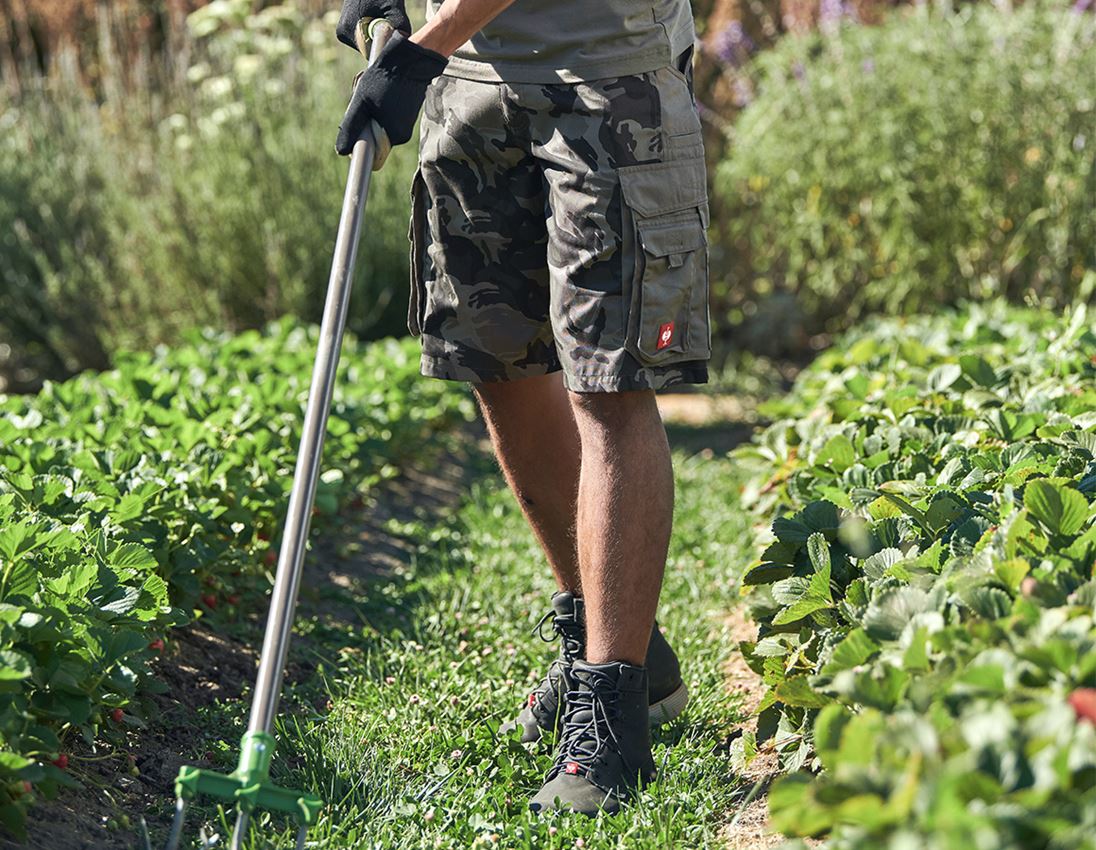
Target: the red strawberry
(233, 599)
(116, 715)
(27, 787)
(271, 558)
(264, 536)
(1083, 701)
(157, 645)
(61, 761)
(209, 600)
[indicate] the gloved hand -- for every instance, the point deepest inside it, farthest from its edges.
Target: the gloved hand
(391, 92)
(353, 11)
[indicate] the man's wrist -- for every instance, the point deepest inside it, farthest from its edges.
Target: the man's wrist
(437, 36)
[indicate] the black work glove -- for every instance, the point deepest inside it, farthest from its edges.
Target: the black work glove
(353, 11)
(391, 92)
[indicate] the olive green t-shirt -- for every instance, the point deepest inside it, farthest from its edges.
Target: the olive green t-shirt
(571, 41)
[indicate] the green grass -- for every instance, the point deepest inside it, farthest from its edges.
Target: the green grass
(408, 753)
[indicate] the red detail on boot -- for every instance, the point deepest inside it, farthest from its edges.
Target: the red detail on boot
(665, 335)
(532, 700)
(572, 767)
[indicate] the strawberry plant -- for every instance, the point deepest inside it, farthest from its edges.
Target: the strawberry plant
(926, 598)
(134, 499)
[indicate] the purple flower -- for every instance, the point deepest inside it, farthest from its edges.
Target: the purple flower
(868, 66)
(799, 71)
(733, 46)
(830, 11)
(1082, 6)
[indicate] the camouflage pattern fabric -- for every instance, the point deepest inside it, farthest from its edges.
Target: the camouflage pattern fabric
(562, 226)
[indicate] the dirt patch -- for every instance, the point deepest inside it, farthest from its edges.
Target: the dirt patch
(705, 424)
(703, 409)
(199, 668)
(748, 827)
(204, 664)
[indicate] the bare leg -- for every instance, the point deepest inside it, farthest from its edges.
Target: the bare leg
(533, 431)
(625, 511)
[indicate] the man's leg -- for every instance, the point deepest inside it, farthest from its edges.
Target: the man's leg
(625, 512)
(537, 444)
(625, 509)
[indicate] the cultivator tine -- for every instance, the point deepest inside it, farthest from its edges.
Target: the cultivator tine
(302, 834)
(145, 838)
(239, 831)
(176, 825)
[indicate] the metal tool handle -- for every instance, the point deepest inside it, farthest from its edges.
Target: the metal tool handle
(283, 600)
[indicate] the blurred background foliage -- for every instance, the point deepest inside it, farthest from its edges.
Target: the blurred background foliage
(148, 185)
(168, 163)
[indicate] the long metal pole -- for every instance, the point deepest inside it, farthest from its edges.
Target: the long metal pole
(283, 600)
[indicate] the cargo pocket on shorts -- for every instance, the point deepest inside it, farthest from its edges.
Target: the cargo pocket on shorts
(668, 309)
(416, 235)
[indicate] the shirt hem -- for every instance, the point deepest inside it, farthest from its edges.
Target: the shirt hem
(487, 71)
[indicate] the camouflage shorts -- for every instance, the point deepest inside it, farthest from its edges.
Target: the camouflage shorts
(562, 226)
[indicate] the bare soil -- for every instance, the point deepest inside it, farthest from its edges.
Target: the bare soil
(748, 826)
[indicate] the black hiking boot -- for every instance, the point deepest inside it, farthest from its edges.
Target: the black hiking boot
(544, 707)
(604, 753)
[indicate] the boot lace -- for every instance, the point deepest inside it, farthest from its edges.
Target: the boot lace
(567, 629)
(588, 723)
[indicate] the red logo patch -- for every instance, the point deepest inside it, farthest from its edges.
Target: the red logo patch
(665, 335)
(572, 767)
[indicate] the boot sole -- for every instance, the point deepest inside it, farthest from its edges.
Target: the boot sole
(667, 708)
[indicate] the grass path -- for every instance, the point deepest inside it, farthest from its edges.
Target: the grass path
(397, 729)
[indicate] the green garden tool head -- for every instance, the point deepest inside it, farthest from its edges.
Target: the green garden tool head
(247, 788)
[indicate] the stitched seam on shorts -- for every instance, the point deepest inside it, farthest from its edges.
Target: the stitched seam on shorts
(655, 369)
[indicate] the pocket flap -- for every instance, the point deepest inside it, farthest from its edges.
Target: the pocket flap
(662, 240)
(663, 187)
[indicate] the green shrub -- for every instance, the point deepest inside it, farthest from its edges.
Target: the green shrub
(157, 206)
(131, 498)
(928, 600)
(935, 158)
